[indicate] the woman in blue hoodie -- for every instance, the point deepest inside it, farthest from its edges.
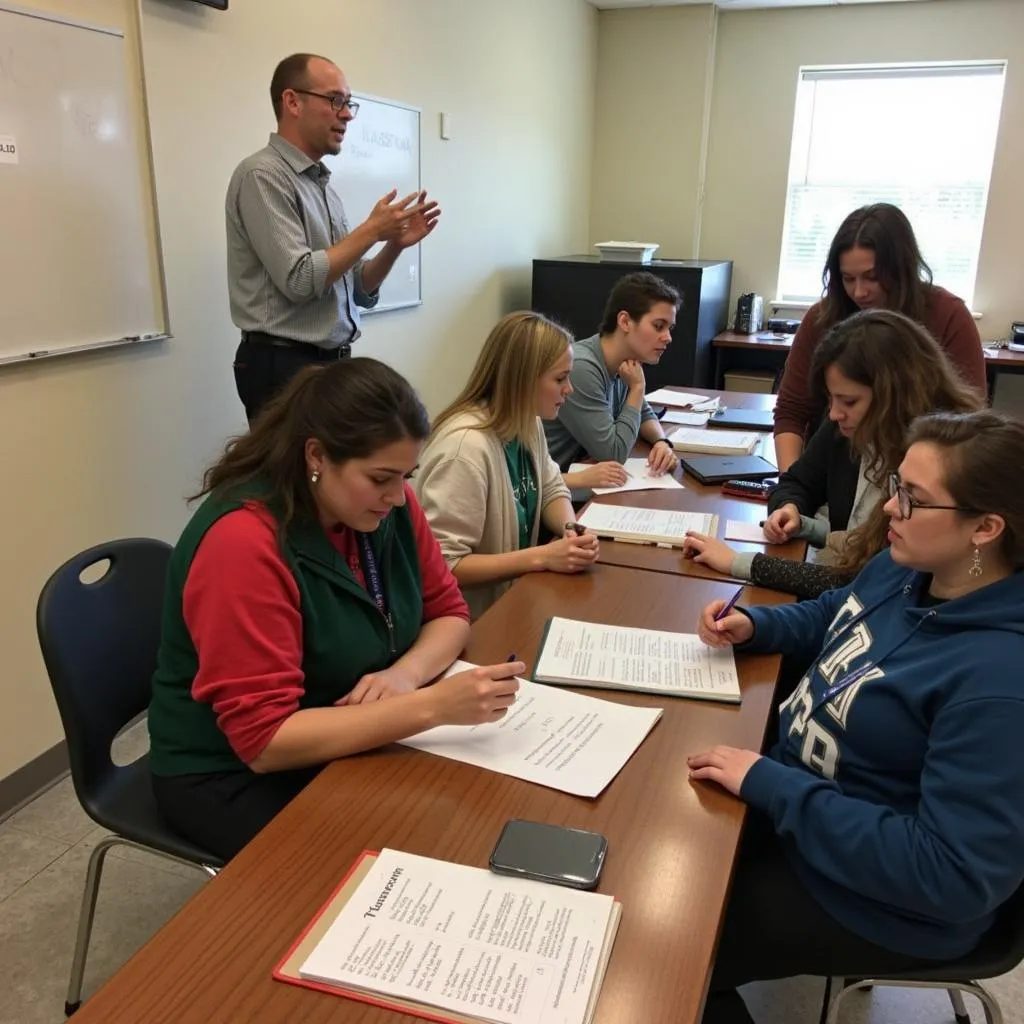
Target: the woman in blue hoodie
(889, 822)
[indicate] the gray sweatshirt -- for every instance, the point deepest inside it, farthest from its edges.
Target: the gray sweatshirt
(595, 421)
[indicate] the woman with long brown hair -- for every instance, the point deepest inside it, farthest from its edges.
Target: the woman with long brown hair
(878, 371)
(307, 608)
(486, 480)
(874, 262)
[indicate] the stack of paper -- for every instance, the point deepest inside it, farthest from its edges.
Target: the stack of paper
(682, 400)
(626, 252)
(714, 442)
(639, 478)
(682, 418)
(648, 660)
(426, 937)
(564, 740)
(646, 525)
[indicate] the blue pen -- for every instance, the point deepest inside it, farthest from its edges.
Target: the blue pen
(729, 605)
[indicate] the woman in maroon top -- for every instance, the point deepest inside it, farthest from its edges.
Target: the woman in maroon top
(873, 263)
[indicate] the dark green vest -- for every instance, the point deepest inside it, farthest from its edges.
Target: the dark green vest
(344, 635)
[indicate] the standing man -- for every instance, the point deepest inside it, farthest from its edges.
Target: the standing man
(296, 272)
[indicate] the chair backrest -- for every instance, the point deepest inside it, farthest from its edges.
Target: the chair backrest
(99, 642)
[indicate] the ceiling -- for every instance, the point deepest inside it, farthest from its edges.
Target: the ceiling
(735, 5)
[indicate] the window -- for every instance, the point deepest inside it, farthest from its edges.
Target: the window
(919, 136)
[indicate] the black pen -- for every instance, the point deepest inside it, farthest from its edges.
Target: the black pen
(576, 528)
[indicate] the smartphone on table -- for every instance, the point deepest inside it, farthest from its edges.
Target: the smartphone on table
(549, 853)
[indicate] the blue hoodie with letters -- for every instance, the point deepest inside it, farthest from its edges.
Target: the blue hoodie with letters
(897, 785)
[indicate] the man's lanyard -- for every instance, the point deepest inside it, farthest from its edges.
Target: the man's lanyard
(372, 574)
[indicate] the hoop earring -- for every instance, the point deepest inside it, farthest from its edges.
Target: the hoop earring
(976, 569)
(314, 478)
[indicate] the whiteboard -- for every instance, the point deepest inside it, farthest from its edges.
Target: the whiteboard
(381, 152)
(79, 258)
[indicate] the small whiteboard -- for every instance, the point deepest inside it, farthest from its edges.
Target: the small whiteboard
(381, 152)
(80, 260)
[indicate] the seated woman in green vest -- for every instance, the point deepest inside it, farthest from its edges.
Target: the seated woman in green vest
(308, 606)
(486, 480)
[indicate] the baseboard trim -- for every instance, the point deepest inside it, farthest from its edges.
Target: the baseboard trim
(24, 785)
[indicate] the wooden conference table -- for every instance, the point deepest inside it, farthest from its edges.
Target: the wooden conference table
(695, 497)
(672, 843)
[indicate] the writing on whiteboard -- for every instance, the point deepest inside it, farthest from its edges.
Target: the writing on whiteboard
(8, 149)
(386, 140)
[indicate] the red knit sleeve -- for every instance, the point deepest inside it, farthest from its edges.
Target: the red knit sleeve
(241, 607)
(955, 330)
(795, 406)
(441, 594)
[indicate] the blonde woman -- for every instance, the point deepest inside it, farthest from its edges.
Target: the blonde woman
(486, 481)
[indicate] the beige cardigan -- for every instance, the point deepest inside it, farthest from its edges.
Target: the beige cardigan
(466, 493)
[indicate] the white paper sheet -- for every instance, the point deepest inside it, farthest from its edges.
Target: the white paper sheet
(626, 658)
(682, 400)
(640, 478)
(508, 950)
(556, 738)
(645, 525)
(751, 533)
(682, 418)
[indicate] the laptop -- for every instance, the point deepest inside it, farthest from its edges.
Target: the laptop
(743, 419)
(716, 469)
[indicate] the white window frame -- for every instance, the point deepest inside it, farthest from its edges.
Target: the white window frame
(800, 146)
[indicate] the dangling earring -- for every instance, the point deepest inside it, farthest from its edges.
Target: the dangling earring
(976, 569)
(314, 478)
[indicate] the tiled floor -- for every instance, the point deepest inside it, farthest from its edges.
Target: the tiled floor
(44, 849)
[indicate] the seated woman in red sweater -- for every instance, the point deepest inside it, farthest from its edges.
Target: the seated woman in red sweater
(307, 608)
(873, 263)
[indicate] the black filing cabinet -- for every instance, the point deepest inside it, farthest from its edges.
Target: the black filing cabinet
(573, 290)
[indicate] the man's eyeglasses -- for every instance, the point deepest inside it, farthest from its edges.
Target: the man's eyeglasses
(908, 504)
(338, 103)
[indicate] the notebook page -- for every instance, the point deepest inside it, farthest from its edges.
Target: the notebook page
(624, 656)
(619, 520)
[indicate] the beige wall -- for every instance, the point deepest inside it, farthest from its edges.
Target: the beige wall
(758, 55)
(105, 445)
(653, 69)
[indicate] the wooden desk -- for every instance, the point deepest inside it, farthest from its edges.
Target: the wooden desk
(734, 351)
(1001, 360)
(671, 843)
(695, 497)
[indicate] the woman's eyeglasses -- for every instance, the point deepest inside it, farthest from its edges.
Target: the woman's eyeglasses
(908, 504)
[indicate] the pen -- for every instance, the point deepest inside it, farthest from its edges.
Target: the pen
(576, 528)
(729, 605)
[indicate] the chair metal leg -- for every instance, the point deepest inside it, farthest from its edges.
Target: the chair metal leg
(88, 909)
(989, 1003)
(830, 1014)
(826, 998)
(85, 917)
(993, 1014)
(956, 997)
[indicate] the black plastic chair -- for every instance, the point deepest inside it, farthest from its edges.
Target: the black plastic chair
(1001, 950)
(99, 641)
